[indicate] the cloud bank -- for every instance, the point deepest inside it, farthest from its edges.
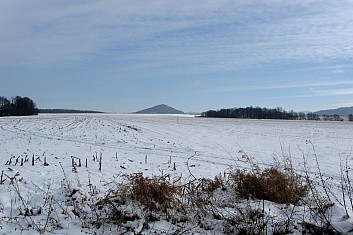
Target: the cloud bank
(197, 35)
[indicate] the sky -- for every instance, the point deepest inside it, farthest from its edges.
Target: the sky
(124, 56)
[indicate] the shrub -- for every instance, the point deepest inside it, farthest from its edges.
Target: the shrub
(209, 185)
(272, 184)
(156, 193)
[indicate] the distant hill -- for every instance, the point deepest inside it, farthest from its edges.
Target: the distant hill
(66, 111)
(344, 111)
(160, 109)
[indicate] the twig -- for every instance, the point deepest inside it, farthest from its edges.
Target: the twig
(187, 164)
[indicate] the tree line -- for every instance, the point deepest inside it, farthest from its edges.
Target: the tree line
(18, 106)
(260, 113)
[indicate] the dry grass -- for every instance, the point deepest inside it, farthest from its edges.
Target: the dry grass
(246, 221)
(156, 193)
(272, 184)
(208, 185)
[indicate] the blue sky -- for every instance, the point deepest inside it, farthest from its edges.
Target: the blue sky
(123, 56)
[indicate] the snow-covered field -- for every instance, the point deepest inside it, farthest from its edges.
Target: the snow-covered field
(148, 144)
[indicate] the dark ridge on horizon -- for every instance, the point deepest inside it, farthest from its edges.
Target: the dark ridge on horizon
(343, 111)
(160, 109)
(67, 111)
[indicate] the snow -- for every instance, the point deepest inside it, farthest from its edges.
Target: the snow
(178, 145)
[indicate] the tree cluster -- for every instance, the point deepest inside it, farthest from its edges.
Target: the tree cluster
(350, 117)
(18, 106)
(334, 117)
(260, 113)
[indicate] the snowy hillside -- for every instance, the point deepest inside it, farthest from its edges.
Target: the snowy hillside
(52, 163)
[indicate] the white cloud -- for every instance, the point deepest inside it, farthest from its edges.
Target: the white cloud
(314, 87)
(171, 35)
(333, 92)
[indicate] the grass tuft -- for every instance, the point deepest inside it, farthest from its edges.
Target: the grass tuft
(156, 193)
(272, 184)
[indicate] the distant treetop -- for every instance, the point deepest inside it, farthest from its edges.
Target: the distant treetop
(259, 113)
(18, 106)
(66, 111)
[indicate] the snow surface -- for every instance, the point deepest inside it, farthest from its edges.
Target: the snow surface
(152, 145)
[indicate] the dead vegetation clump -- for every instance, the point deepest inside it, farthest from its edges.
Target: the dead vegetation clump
(209, 185)
(247, 221)
(156, 193)
(272, 184)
